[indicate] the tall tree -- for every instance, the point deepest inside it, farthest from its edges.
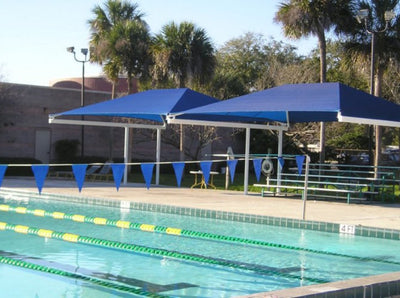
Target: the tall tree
(119, 40)
(302, 18)
(254, 61)
(183, 53)
(384, 34)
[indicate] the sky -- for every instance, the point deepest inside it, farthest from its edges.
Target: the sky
(34, 34)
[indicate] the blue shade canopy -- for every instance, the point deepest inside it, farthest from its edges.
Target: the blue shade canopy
(302, 103)
(149, 105)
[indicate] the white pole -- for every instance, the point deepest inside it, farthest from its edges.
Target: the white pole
(246, 161)
(126, 155)
(279, 170)
(305, 186)
(158, 154)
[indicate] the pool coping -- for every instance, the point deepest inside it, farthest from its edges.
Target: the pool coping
(383, 285)
(357, 230)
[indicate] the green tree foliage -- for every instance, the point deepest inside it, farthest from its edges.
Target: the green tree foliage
(302, 18)
(250, 63)
(386, 47)
(120, 39)
(182, 54)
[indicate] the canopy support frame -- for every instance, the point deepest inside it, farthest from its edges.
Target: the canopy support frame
(126, 127)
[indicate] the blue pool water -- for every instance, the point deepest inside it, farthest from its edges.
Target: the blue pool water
(239, 269)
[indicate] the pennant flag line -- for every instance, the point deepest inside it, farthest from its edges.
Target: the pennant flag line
(257, 167)
(206, 168)
(299, 162)
(3, 169)
(118, 173)
(79, 173)
(281, 162)
(40, 173)
(178, 169)
(147, 171)
(232, 167)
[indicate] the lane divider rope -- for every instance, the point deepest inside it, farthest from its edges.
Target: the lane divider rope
(97, 281)
(176, 231)
(74, 238)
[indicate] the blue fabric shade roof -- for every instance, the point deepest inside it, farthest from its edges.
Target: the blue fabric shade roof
(149, 105)
(299, 103)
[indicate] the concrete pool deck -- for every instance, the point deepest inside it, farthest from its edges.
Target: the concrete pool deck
(386, 216)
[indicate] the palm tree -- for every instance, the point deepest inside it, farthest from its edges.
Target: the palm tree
(384, 34)
(119, 39)
(184, 54)
(302, 18)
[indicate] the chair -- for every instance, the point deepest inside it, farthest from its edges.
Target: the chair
(92, 170)
(104, 173)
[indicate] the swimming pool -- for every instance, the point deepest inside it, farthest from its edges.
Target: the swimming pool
(149, 259)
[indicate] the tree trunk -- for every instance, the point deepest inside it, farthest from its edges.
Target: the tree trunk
(181, 143)
(378, 131)
(181, 132)
(129, 82)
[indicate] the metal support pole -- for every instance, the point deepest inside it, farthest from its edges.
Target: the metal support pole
(158, 154)
(246, 161)
(279, 170)
(82, 104)
(126, 154)
(305, 186)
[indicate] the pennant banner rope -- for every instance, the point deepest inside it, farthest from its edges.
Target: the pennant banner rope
(206, 168)
(257, 167)
(40, 173)
(3, 169)
(118, 173)
(178, 169)
(232, 167)
(281, 162)
(147, 171)
(79, 173)
(299, 162)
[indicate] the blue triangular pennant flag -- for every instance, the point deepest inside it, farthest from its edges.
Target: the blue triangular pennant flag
(40, 173)
(3, 169)
(178, 168)
(281, 162)
(257, 167)
(147, 171)
(299, 162)
(79, 173)
(232, 167)
(118, 173)
(205, 167)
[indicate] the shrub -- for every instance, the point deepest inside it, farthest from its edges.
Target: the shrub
(66, 150)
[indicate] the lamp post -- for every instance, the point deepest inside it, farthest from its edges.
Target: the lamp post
(84, 51)
(363, 17)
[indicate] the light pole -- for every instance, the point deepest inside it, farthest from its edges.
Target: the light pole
(363, 17)
(84, 51)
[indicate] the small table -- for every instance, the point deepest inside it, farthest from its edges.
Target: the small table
(202, 182)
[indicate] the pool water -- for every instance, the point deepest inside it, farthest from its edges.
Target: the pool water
(178, 266)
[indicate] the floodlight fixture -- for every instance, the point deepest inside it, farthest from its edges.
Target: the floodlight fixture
(84, 51)
(389, 15)
(362, 15)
